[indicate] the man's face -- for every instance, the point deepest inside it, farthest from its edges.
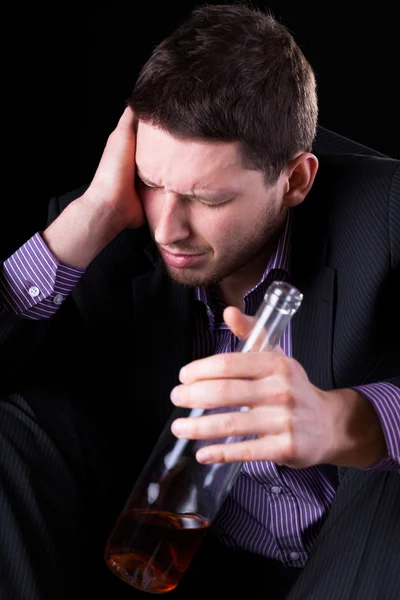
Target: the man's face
(209, 217)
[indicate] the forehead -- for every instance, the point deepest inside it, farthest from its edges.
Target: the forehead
(159, 152)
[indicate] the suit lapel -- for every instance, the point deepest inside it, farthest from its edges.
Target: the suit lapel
(140, 325)
(313, 325)
(163, 316)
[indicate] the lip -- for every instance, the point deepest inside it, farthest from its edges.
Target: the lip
(181, 261)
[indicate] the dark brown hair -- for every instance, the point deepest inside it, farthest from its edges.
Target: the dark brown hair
(232, 73)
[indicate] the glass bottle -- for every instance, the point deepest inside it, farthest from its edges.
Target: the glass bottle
(175, 498)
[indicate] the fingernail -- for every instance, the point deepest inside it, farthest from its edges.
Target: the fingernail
(179, 427)
(204, 456)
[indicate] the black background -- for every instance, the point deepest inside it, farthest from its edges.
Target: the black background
(70, 70)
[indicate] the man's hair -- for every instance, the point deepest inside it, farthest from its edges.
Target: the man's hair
(232, 73)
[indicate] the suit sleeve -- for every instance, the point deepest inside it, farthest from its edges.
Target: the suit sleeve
(34, 292)
(385, 398)
(385, 395)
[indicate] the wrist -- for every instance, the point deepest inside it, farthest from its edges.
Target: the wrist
(108, 217)
(82, 230)
(357, 435)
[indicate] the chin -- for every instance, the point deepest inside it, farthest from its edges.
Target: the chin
(191, 277)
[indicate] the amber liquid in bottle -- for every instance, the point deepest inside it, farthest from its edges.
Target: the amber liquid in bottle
(165, 544)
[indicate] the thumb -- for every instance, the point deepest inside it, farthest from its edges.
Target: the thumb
(239, 323)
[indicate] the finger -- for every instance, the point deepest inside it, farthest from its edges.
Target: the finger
(217, 393)
(256, 422)
(239, 323)
(252, 365)
(127, 118)
(120, 146)
(275, 448)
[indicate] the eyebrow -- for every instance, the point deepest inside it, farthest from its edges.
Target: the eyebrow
(198, 193)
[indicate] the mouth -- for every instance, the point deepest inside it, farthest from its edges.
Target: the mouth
(181, 261)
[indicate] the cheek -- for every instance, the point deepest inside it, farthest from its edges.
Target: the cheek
(232, 229)
(213, 228)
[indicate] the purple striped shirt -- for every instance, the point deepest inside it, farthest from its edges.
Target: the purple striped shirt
(33, 283)
(271, 510)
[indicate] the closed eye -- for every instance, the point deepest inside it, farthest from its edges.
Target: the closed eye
(203, 201)
(211, 204)
(141, 182)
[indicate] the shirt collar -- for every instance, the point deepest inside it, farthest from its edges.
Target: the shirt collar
(280, 257)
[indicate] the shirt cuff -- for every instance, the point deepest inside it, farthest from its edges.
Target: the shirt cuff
(385, 398)
(33, 283)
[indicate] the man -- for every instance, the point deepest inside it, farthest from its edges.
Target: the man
(210, 187)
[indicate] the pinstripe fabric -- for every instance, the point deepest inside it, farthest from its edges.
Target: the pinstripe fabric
(394, 221)
(272, 511)
(385, 399)
(40, 507)
(33, 267)
(355, 553)
(333, 143)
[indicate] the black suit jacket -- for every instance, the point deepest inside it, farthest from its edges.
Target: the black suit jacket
(345, 260)
(127, 330)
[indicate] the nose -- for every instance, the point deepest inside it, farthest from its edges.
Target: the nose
(173, 223)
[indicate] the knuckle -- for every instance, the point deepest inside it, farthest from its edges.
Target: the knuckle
(247, 454)
(284, 396)
(229, 423)
(288, 449)
(288, 422)
(226, 362)
(220, 389)
(195, 430)
(281, 392)
(224, 389)
(284, 366)
(223, 456)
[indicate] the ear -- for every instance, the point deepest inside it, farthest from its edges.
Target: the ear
(300, 174)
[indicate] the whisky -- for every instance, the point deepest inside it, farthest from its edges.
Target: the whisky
(164, 544)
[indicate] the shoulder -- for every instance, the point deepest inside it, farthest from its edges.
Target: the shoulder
(333, 143)
(349, 162)
(352, 175)
(354, 200)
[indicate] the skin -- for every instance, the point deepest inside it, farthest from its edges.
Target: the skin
(198, 200)
(296, 424)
